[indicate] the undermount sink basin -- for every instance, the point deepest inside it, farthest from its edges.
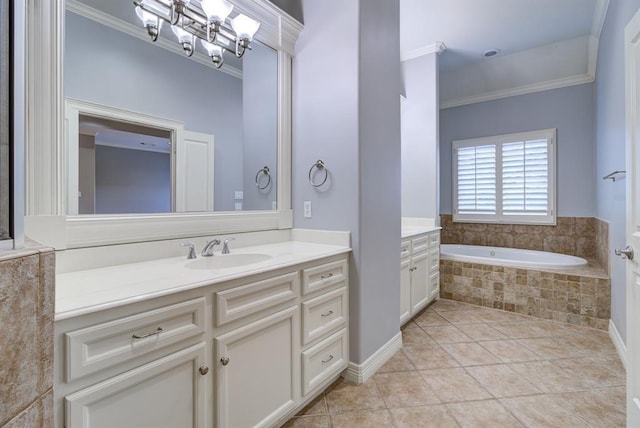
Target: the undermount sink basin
(222, 261)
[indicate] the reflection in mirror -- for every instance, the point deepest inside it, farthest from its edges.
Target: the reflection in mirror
(123, 168)
(110, 61)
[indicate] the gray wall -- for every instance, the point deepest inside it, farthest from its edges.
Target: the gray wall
(570, 110)
(347, 113)
(610, 145)
(420, 143)
(132, 181)
(151, 80)
(260, 106)
(87, 175)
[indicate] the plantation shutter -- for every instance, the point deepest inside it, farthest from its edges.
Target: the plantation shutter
(525, 182)
(476, 179)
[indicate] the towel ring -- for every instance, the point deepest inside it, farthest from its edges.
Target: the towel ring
(319, 165)
(263, 171)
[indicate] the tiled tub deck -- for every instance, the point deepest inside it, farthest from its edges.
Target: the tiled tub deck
(579, 296)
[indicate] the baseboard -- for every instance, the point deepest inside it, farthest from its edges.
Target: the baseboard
(360, 373)
(618, 343)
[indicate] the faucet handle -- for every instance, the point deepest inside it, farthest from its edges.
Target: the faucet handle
(192, 249)
(225, 246)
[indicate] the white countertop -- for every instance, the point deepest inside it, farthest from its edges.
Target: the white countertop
(409, 231)
(87, 291)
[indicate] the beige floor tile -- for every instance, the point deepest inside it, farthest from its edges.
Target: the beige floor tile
(548, 377)
(590, 344)
(420, 417)
(309, 422)
(426, 357)
(378, 419)
(345, 397)
(452, 385)
(594, 372)
(599, 407)
(519, 330)
(461, 317)
(482, 414)
(404, 389)
(398, 363)
(491, 316)
(470, 354)
(479, 332)
(510, 351)
(430, 318)
(542, 411)
(415, 336)
(501, 381)
(447, 334)
(552, 347)
(316, 407)
(409, 325)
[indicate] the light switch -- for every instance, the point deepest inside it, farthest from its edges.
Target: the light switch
(307, 209)
(239, 195)
(238, 206)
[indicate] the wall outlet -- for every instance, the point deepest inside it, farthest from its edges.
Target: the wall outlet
(238, 206)
(239, 195)
(307, 209)
(274, 205)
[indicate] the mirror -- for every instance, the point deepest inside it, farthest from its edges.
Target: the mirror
(222, 125)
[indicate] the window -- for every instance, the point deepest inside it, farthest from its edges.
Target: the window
(505, 178)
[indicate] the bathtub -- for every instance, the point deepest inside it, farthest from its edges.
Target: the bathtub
(509, 257)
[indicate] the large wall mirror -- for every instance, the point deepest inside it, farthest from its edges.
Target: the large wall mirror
(130, 140)
(111, 65)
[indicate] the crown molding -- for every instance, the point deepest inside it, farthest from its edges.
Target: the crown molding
(100, 17)
(437, 48)
(520, 90)
(599, 16)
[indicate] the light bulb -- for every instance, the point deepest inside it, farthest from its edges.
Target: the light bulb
(211, 48)
(182, 35)
(148, 19)
(216, 10)
(244, 26)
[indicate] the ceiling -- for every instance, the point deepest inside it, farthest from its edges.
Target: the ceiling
(542, 43)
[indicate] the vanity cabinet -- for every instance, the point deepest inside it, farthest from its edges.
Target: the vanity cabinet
(247, 352)
(419, 273)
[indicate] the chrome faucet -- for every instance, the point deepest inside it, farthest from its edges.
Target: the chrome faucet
(225, 246)
(207, 251)
(192, 250)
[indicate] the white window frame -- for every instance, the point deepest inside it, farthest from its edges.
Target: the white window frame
(499, 217)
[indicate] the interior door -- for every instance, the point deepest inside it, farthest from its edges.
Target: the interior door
(194, 172)
(632, 71)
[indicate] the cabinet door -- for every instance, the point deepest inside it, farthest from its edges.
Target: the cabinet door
(419, 282)
(258, 371)
(405, 291)
(165, 393)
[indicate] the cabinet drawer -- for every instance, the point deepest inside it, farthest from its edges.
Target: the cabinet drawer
(104, 345)
(420, 244)
(324, 360)
(323, 314)
(405, 249)
(324, 276)
(434, 260)
(243, 300)
(434, 239)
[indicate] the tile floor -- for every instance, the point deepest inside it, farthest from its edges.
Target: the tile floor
(467, 366)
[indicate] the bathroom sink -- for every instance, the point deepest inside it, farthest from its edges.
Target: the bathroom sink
(222, 261)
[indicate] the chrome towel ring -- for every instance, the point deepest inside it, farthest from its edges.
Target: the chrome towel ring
(263, 171)
(319, 165)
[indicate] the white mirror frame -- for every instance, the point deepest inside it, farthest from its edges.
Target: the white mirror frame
(47, 159)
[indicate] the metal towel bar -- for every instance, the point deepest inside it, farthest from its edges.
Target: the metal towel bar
(613, 175)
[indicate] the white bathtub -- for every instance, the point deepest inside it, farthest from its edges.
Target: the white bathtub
(509, 257)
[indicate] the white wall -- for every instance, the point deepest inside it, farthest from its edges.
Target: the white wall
(420, 138)
(149, 79)
(610, 142)
(346, 113)
(569, 109)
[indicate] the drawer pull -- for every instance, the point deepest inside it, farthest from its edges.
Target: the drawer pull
(328, 359)
(224, 361)
(144, 336)
(203, 370)
(327, 314)
(329, 275)
(412, 269)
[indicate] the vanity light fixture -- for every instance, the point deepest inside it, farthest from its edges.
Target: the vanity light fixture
(210, 22)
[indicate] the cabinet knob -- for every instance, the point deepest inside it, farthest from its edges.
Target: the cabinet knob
(224, 360)
(203, 370)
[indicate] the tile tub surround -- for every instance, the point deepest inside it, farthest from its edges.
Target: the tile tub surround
(26, 338)
(582, 297)
(462, 365)
(575, 236)
(602, 243)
